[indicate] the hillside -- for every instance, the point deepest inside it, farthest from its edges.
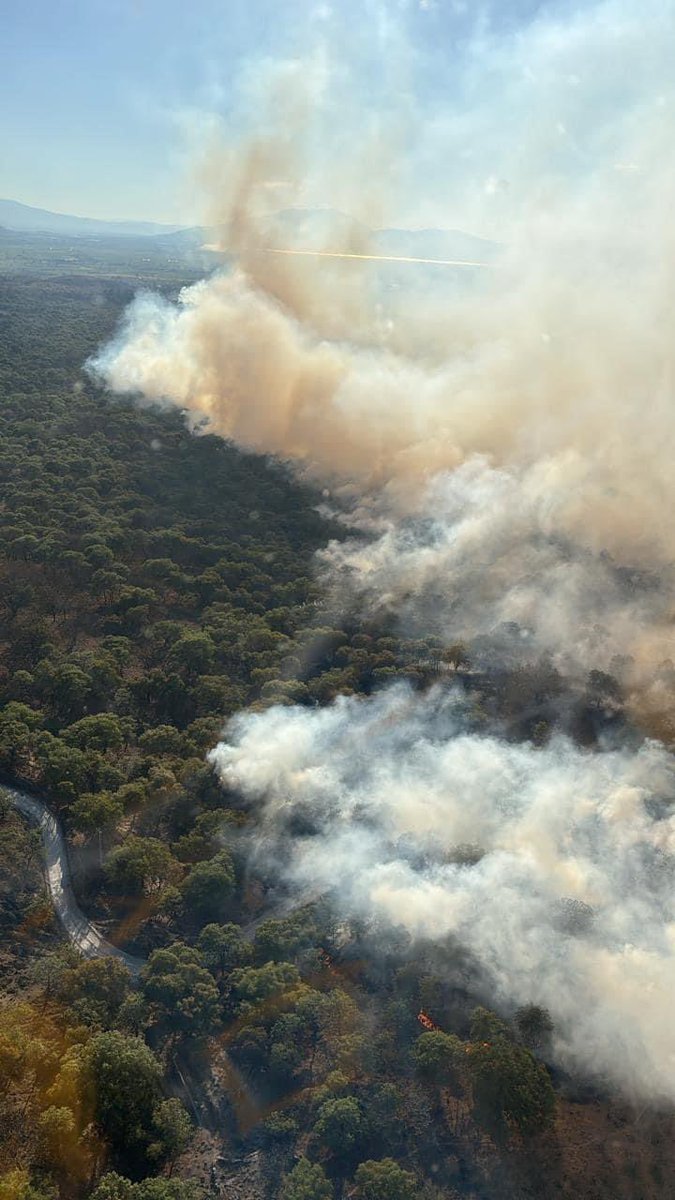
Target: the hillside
(302, 228)
(24, 218)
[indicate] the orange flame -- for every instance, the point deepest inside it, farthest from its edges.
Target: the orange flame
(426, 1022)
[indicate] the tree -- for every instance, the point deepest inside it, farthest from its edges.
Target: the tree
(63, 769)
(251, 1045)
(123, 1080)
(307, 1181)
(48, 971)
(21, 713)
(384, 1180)
(103, 731)
(180, 990)
(486, 1026)
(193, 653)
(15, 743)
(95, 989)
(340, 1128)
(132, 796)
(250, 987)
(99, 555)
(208, 888)
(15, 1184)
(132, 1016)
(16, 594)
(510, 1088)
(21, 685)
(437, 1056)
(161, 696)
(65, 687)
(603, 690)
(107, 585)
(167, 1189)
(288, 1046)
(279, 940)
(385, 1104)
(456, 655)
(174, 1130)
(58, 1137)
(163, 739)
(142, 865)
(280, 1129)
(115, 1187)
(534, 1026)
(216, 694)
(93, 812)
(203, 840)
(223, 948)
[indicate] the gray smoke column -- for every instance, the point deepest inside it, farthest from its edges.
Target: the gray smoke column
(394, 786)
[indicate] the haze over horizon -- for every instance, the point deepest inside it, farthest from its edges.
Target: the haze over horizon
(17, 216)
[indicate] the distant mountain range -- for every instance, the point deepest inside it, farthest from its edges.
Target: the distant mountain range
(320, 228)
(22, 218)
(296, 228)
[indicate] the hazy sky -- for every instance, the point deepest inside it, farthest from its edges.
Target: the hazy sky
(103, 102)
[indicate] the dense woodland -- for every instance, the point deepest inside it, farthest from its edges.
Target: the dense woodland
(152, 583)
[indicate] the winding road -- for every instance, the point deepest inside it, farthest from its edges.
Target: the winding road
(91, 944)
(81, 932)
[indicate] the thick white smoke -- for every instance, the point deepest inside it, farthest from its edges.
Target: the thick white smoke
(393, 787)
(549, 373)
(484, 553)
(509, 438)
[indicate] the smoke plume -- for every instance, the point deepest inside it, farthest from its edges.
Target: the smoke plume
(506, 435)
(547, 376)
(394, 787)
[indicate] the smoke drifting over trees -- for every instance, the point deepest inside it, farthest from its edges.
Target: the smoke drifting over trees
(396, 787)
(507, 442)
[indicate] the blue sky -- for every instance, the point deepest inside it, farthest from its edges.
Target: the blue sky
(474, 114)
(93, 95)
(102, 102)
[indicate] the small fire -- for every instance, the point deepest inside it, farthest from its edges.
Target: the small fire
(426, 1022)
(471, 1046)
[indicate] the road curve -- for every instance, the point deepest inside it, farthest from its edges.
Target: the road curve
(81, 932)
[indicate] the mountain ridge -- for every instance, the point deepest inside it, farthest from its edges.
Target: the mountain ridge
(25, 218)
(300, 229)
